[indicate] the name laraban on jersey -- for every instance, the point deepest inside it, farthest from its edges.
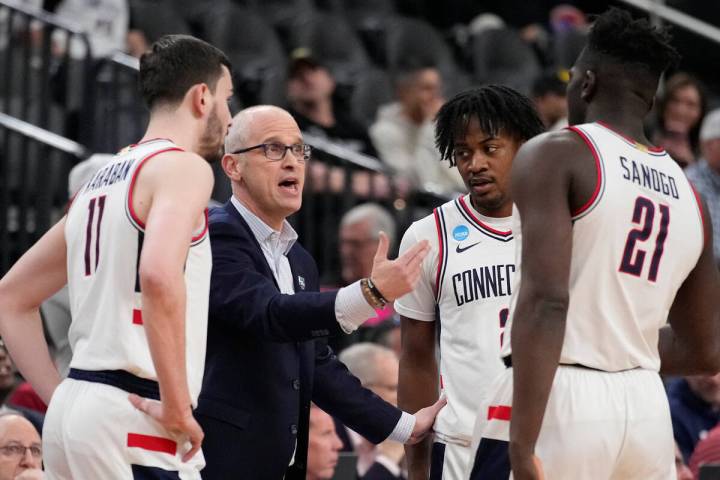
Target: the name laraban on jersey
(483, 282)
(649, 178)
(110, 174)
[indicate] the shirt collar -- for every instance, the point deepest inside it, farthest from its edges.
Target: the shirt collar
(264, 234)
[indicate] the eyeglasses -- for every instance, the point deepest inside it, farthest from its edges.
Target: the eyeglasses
(17, 450)
(276, 151)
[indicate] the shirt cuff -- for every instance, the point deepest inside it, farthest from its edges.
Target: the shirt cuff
(403, 429)
(351, 308)
(389, 465)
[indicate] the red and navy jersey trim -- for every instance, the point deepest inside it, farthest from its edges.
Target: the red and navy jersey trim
(654, 151)
(442, 251)
(597, 194)
(149, 140)
(132, 216)
(467, 213)
(196, 239)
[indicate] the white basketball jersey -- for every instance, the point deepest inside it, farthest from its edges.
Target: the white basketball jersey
(104, 241)
(467, 278)
(633, 245)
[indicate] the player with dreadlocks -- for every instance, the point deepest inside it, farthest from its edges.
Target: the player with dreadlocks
(467, 277)
(617, 281)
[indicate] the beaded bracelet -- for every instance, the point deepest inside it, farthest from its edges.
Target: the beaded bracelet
(371, 293)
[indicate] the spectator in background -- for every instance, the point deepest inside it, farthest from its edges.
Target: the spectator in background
(323, 445)
(20, 449)
(17, 397)
(694, 408)
(316, 109)
(358, 240)
(548, 94)
(705, 174)
(680, 111)
(377, 369)
(311, 94)
(105, 21)
(403, 132)
(359, 235)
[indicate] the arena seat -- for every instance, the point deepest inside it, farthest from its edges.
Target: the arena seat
(372, 88)
(416, 41)
(567, 46)
(500, 56)
(156, 18)
(255, 52)
(360, 12)
(331, 38)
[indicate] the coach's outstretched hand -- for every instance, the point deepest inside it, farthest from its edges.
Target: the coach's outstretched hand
(395, 278)
(424, 420)
(178, 424)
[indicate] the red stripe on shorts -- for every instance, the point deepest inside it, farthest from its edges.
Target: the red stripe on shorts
(148, 442)
(499, 412)
(137, 316)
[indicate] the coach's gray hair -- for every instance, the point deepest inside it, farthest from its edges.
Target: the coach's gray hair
(380, 219)
(362, 360)
(237, 133)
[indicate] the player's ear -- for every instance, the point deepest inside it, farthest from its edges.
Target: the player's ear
(199, 97)
(589, 85)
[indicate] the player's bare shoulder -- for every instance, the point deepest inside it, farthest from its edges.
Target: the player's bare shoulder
(180, 164)
(561, 155)
(556, 147)
(177, 175)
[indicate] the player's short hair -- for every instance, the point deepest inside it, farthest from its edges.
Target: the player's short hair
(616, 34)
(175, 63)
(497, 109)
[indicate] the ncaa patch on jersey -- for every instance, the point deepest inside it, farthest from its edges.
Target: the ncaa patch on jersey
(460, 232)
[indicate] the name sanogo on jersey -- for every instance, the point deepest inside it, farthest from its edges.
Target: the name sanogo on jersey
(634, 244)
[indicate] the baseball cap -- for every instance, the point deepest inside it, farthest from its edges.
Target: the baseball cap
(711, 126)
(300, 59)
(550, 82)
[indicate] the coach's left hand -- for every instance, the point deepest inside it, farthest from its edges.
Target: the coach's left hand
(395, 278)
(424, 420)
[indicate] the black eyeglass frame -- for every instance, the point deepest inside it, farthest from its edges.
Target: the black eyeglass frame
(307, 150)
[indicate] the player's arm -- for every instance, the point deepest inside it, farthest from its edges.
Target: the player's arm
(40, 273)
(417, 385)
(178, 186)
(540, 189)
(690, 343)
(418, 376)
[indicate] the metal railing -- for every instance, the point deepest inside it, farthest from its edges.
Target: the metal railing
(50, 83)
(34, 167)
(659, 10)
(46, 66)
(119, 117)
